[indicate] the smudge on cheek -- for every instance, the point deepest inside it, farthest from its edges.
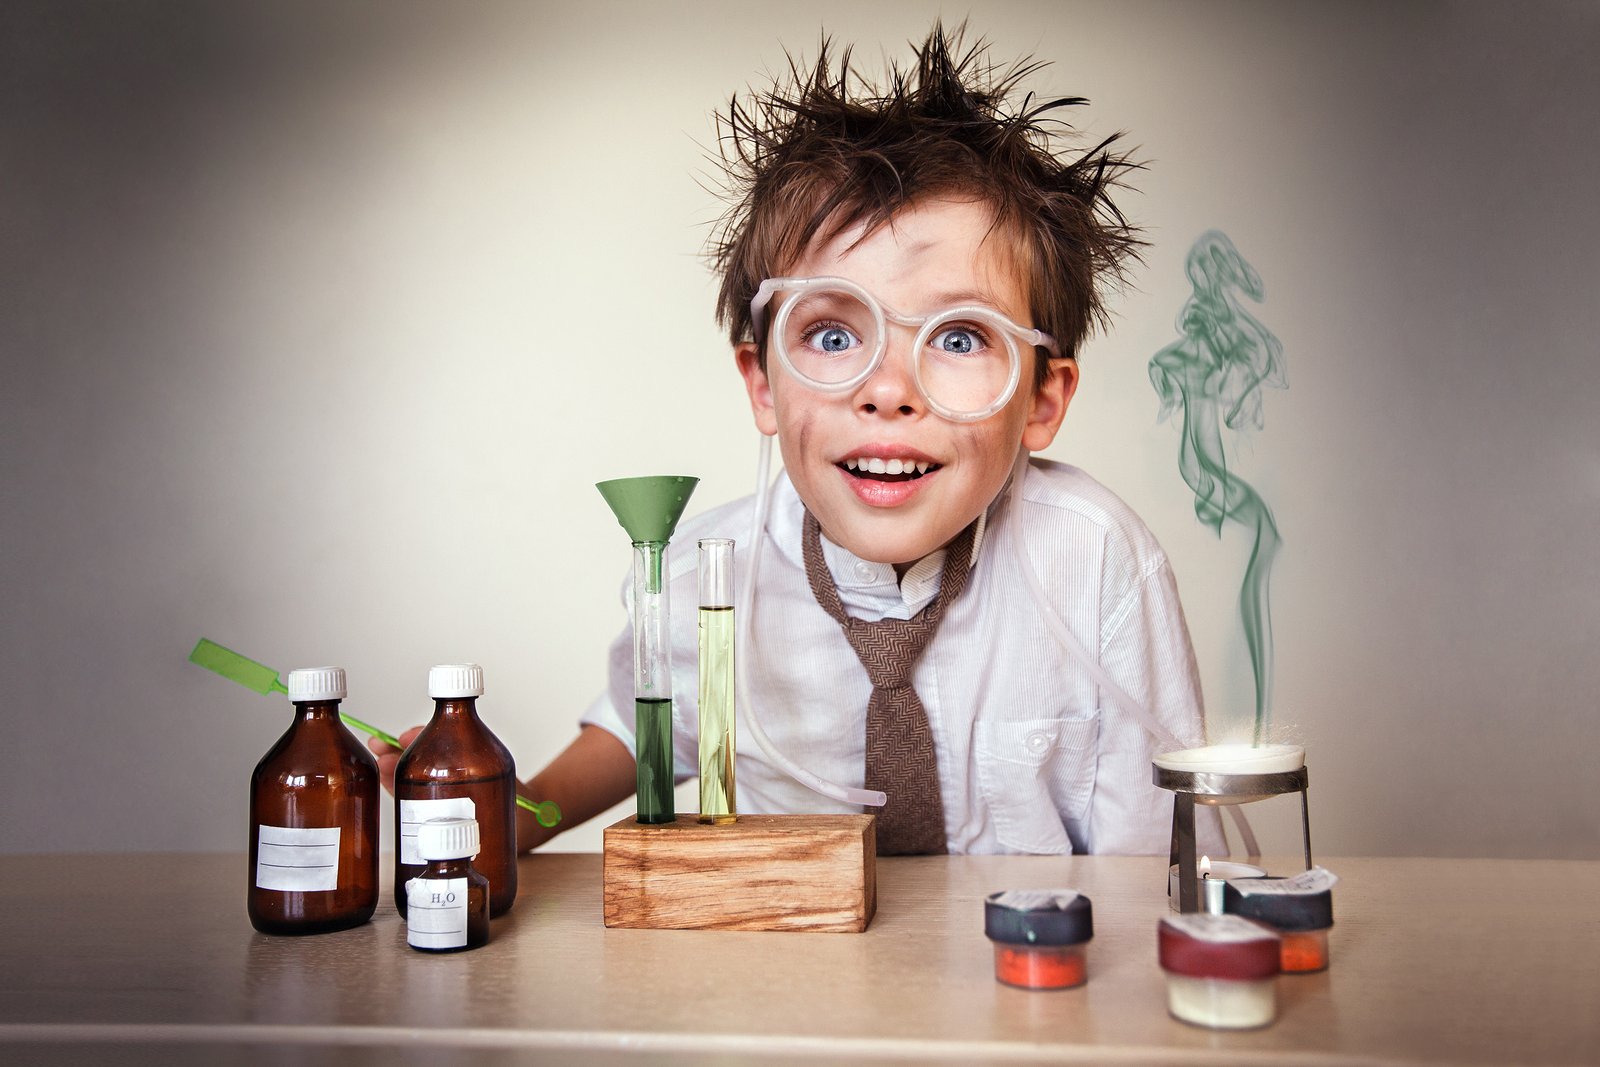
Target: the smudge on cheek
(797, 443)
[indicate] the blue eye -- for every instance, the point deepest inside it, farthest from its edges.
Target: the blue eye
(958, 341)
(830, 339)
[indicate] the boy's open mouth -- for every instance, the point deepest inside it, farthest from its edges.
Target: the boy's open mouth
(887, 470)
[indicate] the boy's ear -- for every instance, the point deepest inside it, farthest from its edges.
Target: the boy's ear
(1049, 405)
(757, 385)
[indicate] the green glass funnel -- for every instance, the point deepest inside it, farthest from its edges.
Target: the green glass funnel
(648, 508)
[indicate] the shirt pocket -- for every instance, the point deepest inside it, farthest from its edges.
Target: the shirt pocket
(1034, 775)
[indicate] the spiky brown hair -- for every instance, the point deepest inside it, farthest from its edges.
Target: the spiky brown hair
(826, 149)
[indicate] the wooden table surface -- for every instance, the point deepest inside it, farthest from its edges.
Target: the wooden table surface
(145, 958)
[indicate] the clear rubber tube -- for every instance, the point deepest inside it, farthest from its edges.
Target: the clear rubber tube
(870, 798)
(1064, 637)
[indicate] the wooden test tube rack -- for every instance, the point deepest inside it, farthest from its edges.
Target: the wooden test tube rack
(764, 872)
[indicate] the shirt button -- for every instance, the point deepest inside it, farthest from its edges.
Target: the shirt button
(1038, 743)
(864, 570)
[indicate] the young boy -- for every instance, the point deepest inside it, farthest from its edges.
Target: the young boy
(907, 278)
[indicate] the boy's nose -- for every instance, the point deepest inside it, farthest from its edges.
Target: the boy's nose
(891, 389)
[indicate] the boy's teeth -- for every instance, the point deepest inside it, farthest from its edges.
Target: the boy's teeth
(875, 465)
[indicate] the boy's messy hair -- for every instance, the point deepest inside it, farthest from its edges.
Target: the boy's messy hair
(826, 149)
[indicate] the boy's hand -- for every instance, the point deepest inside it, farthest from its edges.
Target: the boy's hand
(389, 756)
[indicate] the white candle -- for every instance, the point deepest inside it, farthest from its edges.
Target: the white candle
(1212, 875)
(1235, 759)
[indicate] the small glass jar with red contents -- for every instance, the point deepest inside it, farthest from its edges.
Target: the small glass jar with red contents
(1221, 970)
(1299, 908)
(1039, 937)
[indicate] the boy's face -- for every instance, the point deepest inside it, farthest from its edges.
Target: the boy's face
(935, 254)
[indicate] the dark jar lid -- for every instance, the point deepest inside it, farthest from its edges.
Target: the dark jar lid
(1202, 945)
(1304, 902)
(1038, 917)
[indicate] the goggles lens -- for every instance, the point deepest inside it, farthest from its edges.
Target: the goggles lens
(965, 360)
(829, 336)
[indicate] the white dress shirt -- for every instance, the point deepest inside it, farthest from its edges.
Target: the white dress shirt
(1031, 758)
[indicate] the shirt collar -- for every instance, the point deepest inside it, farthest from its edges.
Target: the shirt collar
(868, 590)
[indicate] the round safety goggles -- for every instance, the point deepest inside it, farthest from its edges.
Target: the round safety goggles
(831, 335)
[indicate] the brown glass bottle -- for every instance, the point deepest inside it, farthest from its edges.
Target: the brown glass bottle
(456, 759)
(314, 818)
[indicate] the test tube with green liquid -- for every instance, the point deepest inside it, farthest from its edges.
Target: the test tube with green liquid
(652, 684)
(717, 803)
(649, 509)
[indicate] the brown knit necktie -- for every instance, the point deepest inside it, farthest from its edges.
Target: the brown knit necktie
(901, 760)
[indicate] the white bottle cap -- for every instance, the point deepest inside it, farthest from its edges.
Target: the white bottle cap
(454, 680)
(448, 839)
(316, 683)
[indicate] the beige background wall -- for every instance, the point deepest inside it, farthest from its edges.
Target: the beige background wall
(319, 320)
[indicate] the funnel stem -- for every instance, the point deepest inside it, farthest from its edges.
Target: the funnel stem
(652, 637)
(654, 553)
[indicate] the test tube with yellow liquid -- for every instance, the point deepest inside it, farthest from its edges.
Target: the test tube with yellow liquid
(716, 681)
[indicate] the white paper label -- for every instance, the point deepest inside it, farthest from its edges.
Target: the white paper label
(413, 813)
(297, 859)
(436, 912)
(1316, 880)
(1218, 929)
(1037, 899)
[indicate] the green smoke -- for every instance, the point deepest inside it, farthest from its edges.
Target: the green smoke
(1215, 373)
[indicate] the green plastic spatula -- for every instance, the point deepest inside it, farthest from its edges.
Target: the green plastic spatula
(260, 678)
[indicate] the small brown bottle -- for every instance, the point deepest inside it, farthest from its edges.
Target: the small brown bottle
(449, 901)
(314, 818)
(456, 768)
